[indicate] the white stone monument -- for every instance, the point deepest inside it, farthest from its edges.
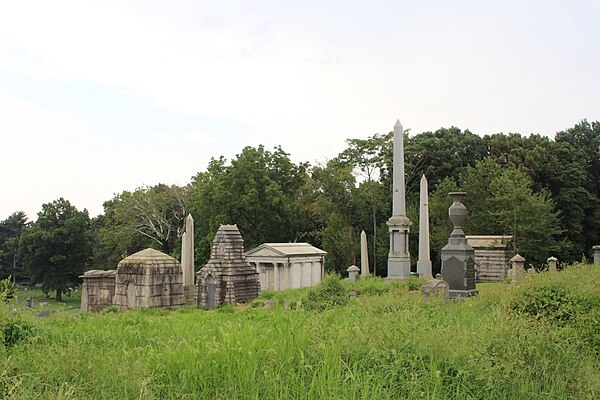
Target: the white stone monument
(596, 250)
(364, 255)
(352, 273)
(518, 267)
(399, 224)
(187, 257)
(424, 262)
(552, 264)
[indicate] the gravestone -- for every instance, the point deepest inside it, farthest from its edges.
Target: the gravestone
(596, 250)
(518, 268)
(29, 302)
(552, 264)
(435, 288)
(352, 273)
(458, 257)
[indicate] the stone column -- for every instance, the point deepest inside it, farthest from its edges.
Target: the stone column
(275, 276)
(188, 260)
(518, 267)
(399, 224)
(364, 255)
(352, 272)
(552, 264)
(596, 250)
(458, 257)
(424, 262)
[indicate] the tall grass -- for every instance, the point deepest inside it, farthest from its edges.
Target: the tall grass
(384, 344)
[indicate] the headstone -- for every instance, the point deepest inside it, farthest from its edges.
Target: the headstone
(435, 288)
(364, 255)
(531, 271)
(29, 302)
(269, 303)
(352, 272)
(510, 275)
(399, 224)
(518, 268)
(596, 250)
(458, 257)
(552, 264)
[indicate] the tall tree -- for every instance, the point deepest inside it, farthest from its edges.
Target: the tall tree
(57, 248)
(10, 232)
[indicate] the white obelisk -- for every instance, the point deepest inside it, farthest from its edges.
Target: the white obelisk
(399, 224)
(364, 255)
(187, 260)
(424, 262)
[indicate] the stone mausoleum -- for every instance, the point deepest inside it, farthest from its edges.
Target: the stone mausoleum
(97, 290)
(287, 265)
(228, 276)
(148, 279)
(492, 257)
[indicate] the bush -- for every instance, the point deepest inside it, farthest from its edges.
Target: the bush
(15, 330)
(330, 293)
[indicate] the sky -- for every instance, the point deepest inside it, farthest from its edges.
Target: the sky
(101, 97)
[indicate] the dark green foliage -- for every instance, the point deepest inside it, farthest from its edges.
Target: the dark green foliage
(10, 232)
(329, 293)
(15, 330)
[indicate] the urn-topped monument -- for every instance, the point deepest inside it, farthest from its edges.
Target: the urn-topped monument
(458, 257)
(399, 224)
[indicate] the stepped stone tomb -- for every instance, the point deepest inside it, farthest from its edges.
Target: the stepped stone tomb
(287, 265)
(97, 290)
(148, 279)
(492, 257)
(227, 277)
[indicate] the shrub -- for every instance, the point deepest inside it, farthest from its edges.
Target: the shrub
(16, 329)
(7, 290)
(328, 294)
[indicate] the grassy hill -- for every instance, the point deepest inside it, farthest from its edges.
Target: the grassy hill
(537, 341)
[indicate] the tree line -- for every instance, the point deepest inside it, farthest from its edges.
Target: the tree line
(543, 192)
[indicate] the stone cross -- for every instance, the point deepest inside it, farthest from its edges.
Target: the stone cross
(424, 262)
(596, 250)
(552, 263)
(364, 255)
(352, 272)
(399, 224)
(518, 267)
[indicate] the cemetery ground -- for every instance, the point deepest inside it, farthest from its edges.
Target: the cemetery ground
(540, 340)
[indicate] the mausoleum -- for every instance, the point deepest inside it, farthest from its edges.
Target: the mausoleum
(287, 265)
(492, 257)
(148, 279)
(97, 290)
(227, 277)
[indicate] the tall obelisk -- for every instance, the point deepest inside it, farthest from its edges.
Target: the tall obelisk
(187, 257)
(364, 255)
(399, 224)
(424, 262)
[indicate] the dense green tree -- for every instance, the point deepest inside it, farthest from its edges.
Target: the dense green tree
(10, 232)
(57, 247)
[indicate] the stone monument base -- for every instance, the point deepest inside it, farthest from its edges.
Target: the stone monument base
(189, 293)
(398, 269)
(462, 294)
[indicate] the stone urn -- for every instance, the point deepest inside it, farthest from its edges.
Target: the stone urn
(457, 211)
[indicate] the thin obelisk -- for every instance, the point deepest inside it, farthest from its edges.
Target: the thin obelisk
(364, 255)
(399, 224)
(424, 263)
(188, 259)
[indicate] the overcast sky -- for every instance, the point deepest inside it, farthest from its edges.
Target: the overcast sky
(101, 97)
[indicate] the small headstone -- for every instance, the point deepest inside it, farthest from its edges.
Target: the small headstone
(29, 302)
(352, 293)
(552, 264)
(269, 303)
(353, 272)
(530, 270)
(596, 250)
(518, 264)
(43, 304)
(435, 288)
(510, 275)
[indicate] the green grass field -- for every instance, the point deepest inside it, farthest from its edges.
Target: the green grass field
(537, 341)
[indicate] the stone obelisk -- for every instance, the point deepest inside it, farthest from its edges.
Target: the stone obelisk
(187, 257)
(364, 255)
(424, 262)
(399, 224)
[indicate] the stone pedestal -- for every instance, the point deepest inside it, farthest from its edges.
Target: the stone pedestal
(518, 267)
(352, 272)
(458, 257)
(552, 264)
(596, 250)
